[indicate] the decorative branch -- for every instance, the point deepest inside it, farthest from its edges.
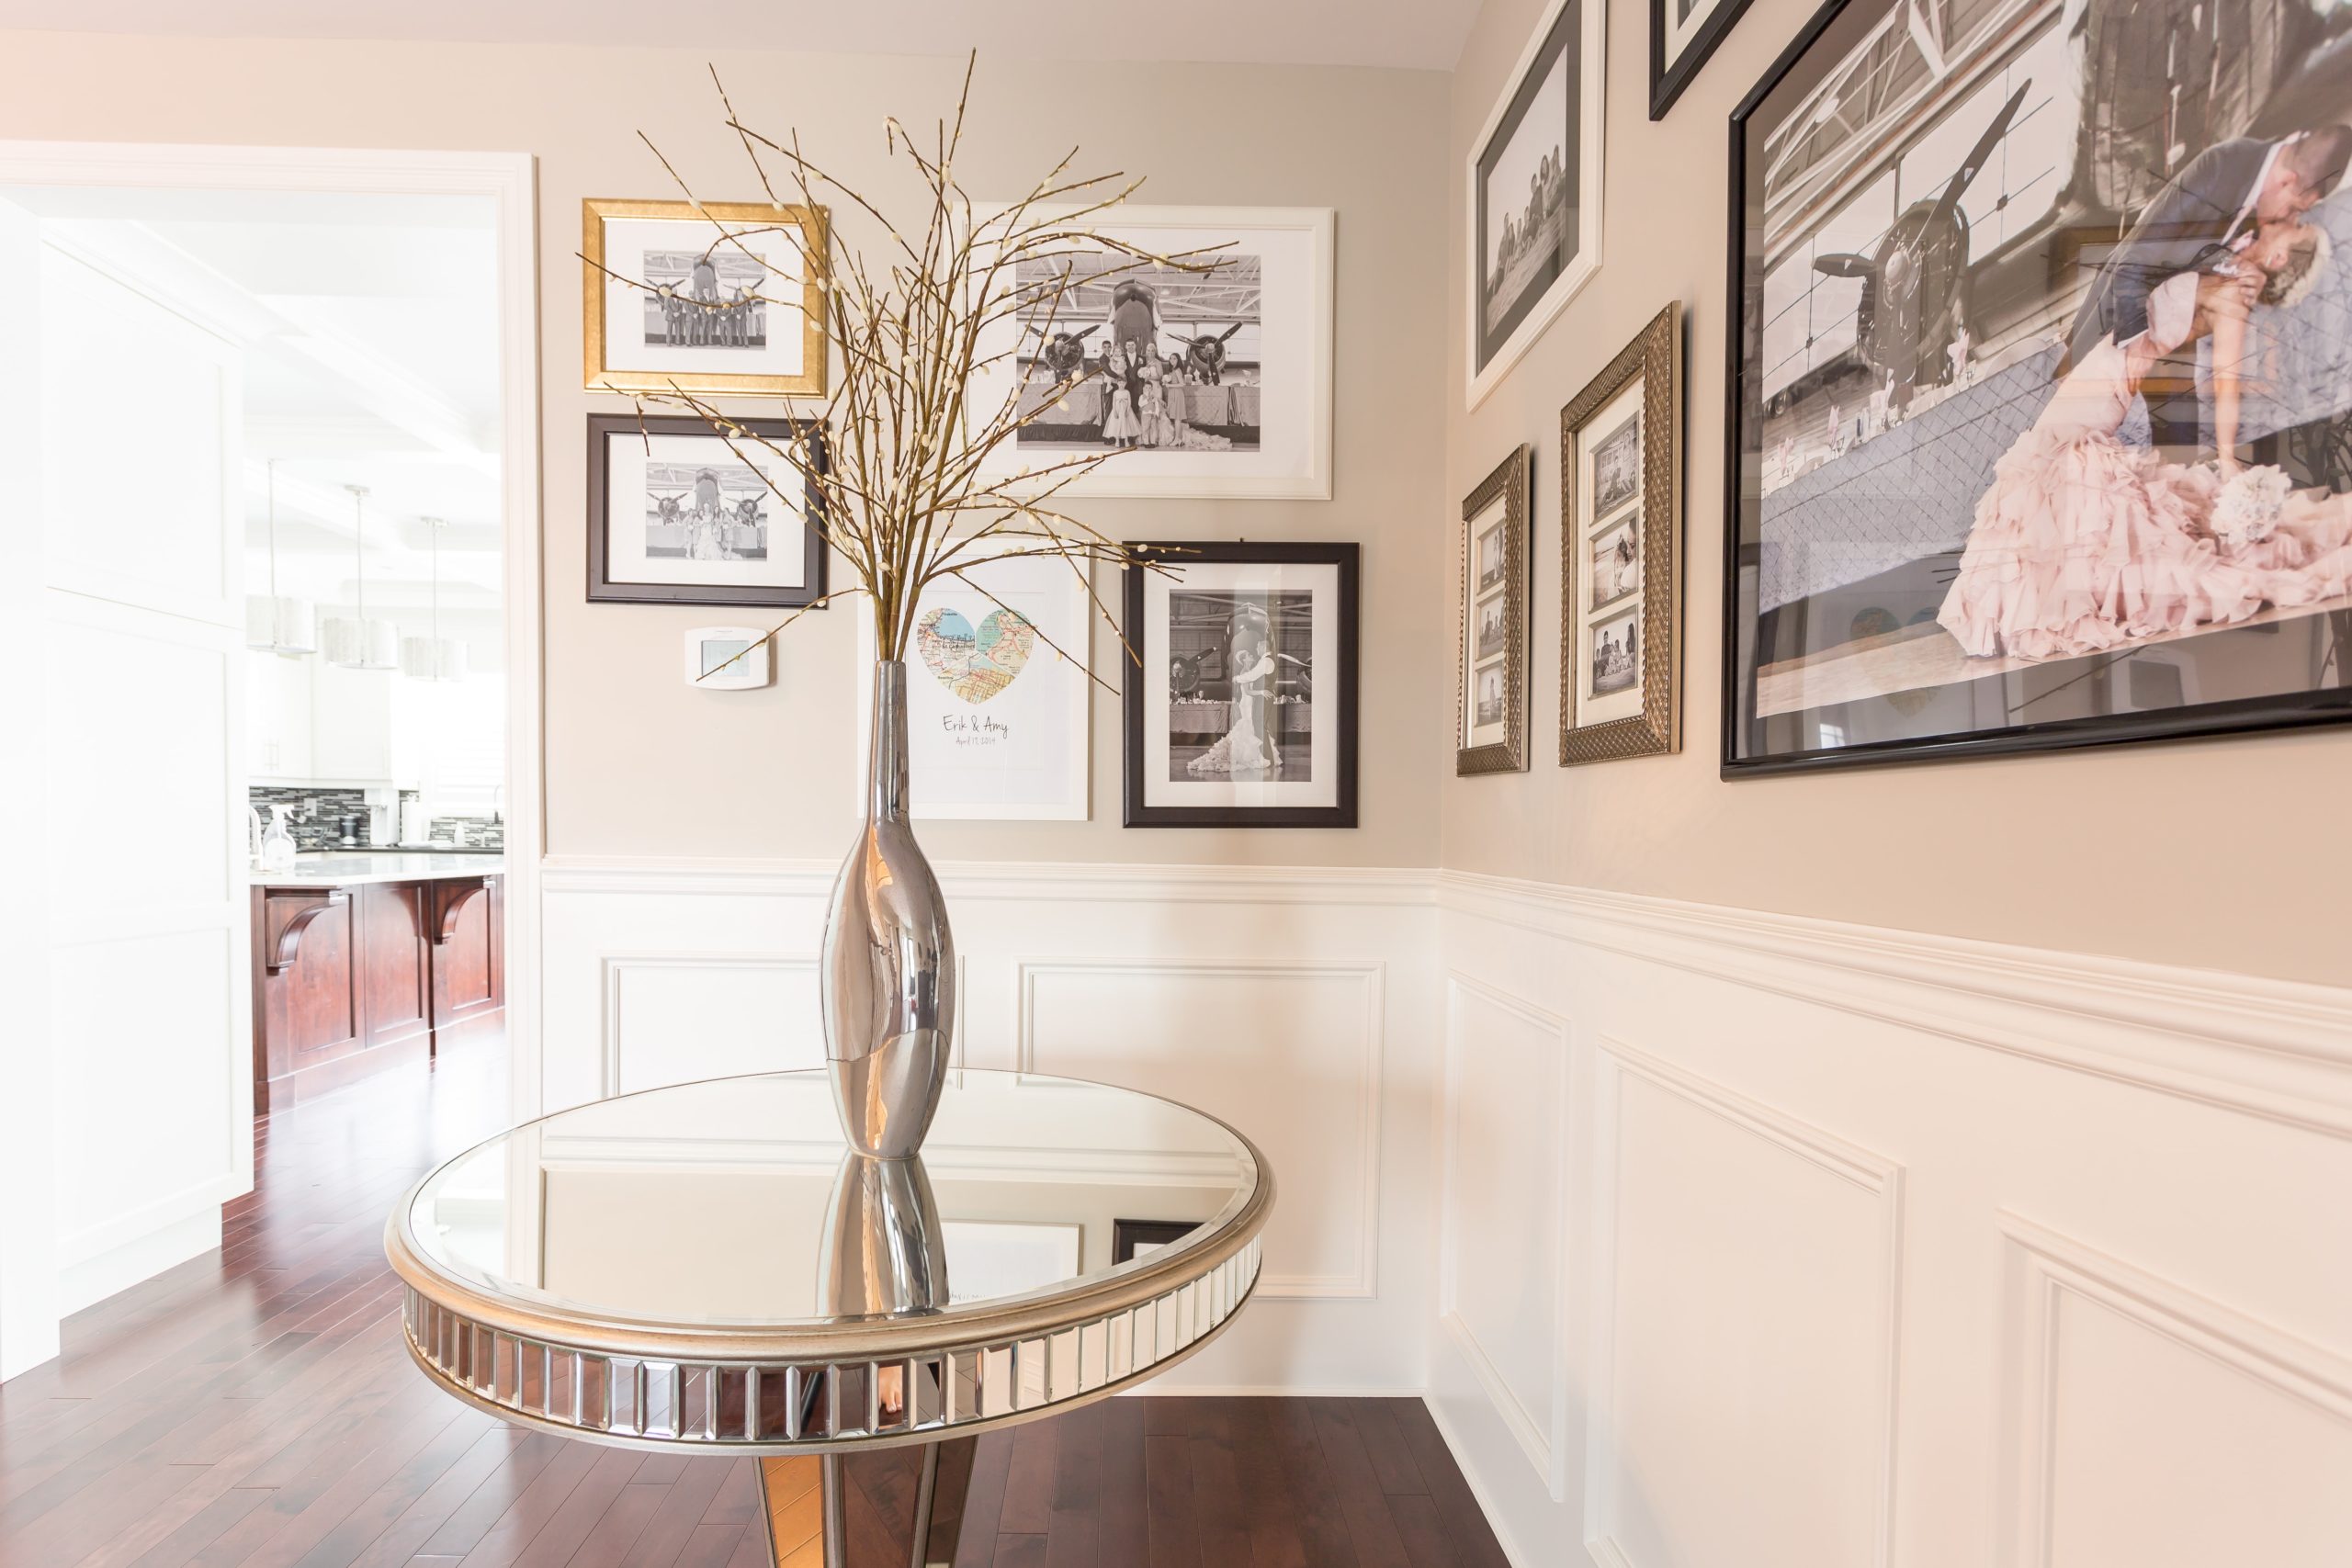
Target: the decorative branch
(904, 493)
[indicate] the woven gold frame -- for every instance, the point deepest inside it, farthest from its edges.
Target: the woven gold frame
(1508, 755)
(816, 246)
(1654, 357)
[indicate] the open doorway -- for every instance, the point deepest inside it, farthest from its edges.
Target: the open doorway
(282, 576)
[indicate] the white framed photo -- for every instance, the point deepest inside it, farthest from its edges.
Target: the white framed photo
(998, 698)
(1205, 384)
(991, 1260)
(1532, 224)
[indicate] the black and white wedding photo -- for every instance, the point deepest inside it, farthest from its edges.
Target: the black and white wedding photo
(1491, 630)
(716, 512)
(1617, 468)
(2046, 393)
(1494, 557)
(1241, 685)
(1616, 562)
(1125, 355)
(1534, 216)
(706, 299)
(1616, 654)
(1488, 707)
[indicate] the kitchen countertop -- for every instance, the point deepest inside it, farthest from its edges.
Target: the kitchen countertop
(348, 868)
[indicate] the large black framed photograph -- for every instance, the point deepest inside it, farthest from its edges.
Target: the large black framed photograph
(678, 514)
(1242, 710)
(2040, 380)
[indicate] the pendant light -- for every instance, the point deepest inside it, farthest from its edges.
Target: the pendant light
(434, 657)
(355, 642)
(278, 624)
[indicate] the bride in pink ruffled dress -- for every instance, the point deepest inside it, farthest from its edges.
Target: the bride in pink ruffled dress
(2083, 543)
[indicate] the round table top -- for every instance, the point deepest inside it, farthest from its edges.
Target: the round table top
(708, 1266)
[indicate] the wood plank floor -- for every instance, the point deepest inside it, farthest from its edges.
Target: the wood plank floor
(254, 1407)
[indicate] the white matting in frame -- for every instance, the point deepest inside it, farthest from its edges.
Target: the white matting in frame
(1610, 657)
(1258, 424)
(997, 720)
(1493, 347)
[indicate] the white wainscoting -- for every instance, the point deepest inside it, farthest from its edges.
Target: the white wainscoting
(1840, 1246)
(1299, 1005)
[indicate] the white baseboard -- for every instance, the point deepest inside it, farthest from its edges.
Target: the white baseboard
(1498, 1521)
(119, 1268)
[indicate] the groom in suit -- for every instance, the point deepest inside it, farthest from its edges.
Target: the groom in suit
(2213, 204)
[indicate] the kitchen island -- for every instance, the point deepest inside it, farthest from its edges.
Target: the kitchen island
(363, 960)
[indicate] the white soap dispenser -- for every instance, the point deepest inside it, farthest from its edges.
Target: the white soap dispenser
(276, 843)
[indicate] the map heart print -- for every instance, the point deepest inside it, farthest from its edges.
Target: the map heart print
(975, 665)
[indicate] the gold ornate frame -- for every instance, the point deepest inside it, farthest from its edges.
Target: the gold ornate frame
(815, 244)
(1653, 357)
(1508, 755)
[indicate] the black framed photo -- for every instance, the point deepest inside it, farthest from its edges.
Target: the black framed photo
(678, 515)
(1682, 34)
(1242, 713)
(1532, 227)
(2039, 383)
(1131, 1239)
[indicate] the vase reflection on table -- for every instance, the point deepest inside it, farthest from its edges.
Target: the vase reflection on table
(888, 977)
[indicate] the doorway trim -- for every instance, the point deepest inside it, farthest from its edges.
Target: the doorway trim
(510, 181)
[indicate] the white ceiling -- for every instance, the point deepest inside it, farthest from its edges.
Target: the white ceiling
(369, 327)
(1417, 34)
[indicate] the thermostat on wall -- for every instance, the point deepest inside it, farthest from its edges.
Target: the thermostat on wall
(728, 659)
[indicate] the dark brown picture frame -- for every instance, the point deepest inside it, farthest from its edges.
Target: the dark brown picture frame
(1667, 81)
(1508, 484)
(1655, 359)
(602, 589)
(1127, 1234)
(1150, 676)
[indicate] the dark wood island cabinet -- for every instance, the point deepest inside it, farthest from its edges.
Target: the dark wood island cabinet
(358, 977)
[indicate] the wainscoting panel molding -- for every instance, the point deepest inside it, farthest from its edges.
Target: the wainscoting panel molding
(2102, 1355)
(1298, 1004)
(1803, 1322)
(1713, 1432)
(1503, 1236)
(1235, 1037)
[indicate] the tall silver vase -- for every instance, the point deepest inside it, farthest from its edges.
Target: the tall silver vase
(889, 981)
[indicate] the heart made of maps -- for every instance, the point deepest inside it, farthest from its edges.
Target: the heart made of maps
(975, 665)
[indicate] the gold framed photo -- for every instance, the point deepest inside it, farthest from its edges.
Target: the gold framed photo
(1620, 554)
(711, 297)
(1490, 683)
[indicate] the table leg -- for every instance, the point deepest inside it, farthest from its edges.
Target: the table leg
(804, 1501)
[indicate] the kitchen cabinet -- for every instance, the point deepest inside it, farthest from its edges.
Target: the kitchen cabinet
(357, 977)
(277, 717)
(351, 725)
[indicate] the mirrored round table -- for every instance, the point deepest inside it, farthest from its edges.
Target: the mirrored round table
(710, 1269)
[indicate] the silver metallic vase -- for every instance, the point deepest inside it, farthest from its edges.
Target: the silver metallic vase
(889, 981)
(884, 1252)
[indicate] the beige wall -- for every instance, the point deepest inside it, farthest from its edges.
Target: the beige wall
(2121, 851)
(635, 763)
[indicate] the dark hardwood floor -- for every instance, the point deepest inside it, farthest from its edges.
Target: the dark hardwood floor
(254, 1407)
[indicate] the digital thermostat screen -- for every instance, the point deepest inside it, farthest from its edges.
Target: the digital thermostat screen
(722, 652)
